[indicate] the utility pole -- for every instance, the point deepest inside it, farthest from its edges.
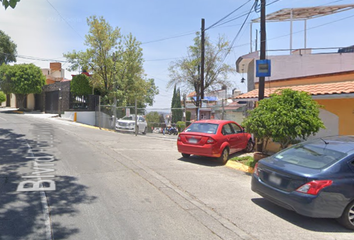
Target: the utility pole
(261, 83)
(202, 61)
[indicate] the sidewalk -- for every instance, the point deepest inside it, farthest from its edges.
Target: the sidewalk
(36, 113)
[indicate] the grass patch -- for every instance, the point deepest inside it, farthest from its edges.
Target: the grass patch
(246, 160)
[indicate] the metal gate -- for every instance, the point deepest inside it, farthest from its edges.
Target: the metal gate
(51, 102)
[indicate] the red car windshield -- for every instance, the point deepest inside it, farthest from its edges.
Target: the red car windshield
(203, 128)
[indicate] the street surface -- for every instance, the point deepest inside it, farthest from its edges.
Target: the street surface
(64, 180)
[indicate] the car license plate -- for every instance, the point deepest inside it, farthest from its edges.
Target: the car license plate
(274, 179)
(192, 140)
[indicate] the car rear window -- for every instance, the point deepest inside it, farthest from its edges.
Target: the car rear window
(203, 128)
(311, 156)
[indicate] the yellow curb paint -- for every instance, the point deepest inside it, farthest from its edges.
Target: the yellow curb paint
(239, 166)
(18, 112)
(94, 127)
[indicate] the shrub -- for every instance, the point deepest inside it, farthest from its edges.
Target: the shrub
(284, 117)
(246, 160)
(2, 97)
(181, 125)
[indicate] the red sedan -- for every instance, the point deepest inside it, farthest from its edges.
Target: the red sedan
(214, 138)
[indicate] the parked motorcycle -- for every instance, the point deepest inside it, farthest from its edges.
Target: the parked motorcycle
(173, 131)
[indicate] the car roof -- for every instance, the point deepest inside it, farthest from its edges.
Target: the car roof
(342, 143)
(214, 121)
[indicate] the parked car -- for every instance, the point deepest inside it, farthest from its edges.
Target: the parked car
(314, 178)
(127, 124)
(214, 138)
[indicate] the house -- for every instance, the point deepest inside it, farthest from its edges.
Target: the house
(217, 105)
(333, 91)
(54, 75)
(326, 74)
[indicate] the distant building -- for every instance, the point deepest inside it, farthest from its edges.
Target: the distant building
(55, 73)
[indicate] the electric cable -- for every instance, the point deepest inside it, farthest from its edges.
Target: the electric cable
(64, 19)
(227, 15)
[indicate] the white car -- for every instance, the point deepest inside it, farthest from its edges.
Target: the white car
(127, 124)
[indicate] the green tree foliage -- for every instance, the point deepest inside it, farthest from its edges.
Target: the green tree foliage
(153, 119)
(285, 116)
(186, 71)
(181, 125)
(188, 118)
(80, 85)
(22, 79)
(116, 62)
(102, 40)
(11, 3)
(5, 80)
(176, 106)
(2, 97)
(7, 49)
(131, 82)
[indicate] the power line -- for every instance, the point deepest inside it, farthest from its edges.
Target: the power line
(244, 14)
(233, 42)
(164, 59)
(64, 19)
(227, 16)
(238, 33)
(167, 38)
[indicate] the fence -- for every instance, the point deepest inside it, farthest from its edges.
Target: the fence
(159, 120)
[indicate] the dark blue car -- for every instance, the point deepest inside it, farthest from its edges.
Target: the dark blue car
(314, 178)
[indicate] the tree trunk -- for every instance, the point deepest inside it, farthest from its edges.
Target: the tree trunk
(20, 101)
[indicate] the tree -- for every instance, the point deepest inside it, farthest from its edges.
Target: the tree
(176, 106)
(102, 40)
(116, 63)
(11, 3)
(80, 85)
(22, 79)
(7, 49)
(285, 116)
(186, 71)
(130, 80)
(5, 79)
(2, 97)
(153, 119)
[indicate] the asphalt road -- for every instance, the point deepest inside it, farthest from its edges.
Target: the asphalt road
(62, 180)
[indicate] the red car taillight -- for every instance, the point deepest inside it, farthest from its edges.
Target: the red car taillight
(314, 187)
(210, 141)
(255, 169)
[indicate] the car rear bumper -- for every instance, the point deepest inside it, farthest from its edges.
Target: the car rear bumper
(323, 205)
(207, 150)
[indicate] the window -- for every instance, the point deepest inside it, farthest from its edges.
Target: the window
(236, 128)
(226, 129)
(202, 127)
(310, 156)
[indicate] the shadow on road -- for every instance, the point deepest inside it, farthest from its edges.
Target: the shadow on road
(21, 213)
(312, 224)
(207, 161)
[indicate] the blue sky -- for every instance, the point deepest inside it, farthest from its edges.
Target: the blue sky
(45, 29)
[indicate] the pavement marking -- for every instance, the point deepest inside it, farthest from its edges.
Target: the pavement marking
(47, 222)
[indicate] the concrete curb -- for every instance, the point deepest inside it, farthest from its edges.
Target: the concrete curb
(19, 112)
(239, 166)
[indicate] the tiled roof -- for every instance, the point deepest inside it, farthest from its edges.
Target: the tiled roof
(314, 89)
